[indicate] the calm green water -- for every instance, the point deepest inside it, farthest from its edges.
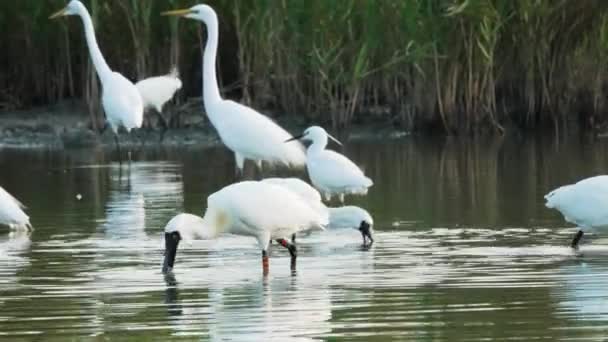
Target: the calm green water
(465, 250)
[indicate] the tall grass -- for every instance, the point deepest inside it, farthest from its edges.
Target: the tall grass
(455, 66)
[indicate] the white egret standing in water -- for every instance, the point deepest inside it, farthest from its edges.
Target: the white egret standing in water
(120, 98)
(330, 172)
(584, 204)
(247, 133)
(340, 217)
(256, 209)
(158, 90)
(11, 212)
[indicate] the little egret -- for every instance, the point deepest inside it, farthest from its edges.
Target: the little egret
(584, 204)
(250, 208)
(341, 217)
(330, 172)
(120, 98)
(247, 133)
(158, 90)
(11, 212)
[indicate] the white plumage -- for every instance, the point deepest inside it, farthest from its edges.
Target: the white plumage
(158, 90)
(260, 210)
(120, 98)
(11, 212)
(247, 133)
(349, 216)
(330, 172)
(584, 203)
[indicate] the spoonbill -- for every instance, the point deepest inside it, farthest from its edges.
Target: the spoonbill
(584, 203)
(330, 172)
(247, 133)
(260, 210)
(11, 212)
(341, 217)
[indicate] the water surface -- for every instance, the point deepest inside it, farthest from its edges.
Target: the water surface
(465, 250)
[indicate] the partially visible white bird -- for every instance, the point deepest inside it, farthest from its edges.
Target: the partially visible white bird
(584, 204)
(341, 217)
(330, 172)
(247, 133)
(158, 90)
(120, 98)
(261, 210)
(11, 212)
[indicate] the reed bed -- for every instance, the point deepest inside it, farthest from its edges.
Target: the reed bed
(449, 66)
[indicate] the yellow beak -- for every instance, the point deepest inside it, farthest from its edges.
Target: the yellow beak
(58, 14)
(180, 12)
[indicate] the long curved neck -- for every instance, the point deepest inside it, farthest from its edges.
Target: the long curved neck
(102, 68)
(318, 144)
(211, 91)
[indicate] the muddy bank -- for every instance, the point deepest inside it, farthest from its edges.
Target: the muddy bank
(68, 126)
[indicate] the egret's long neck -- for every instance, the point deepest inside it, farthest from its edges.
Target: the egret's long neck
(318, 144)
(103, 70)
(211, 91)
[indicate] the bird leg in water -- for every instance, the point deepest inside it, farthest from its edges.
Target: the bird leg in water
(265, 262)
(117, 147)
(293, 239)
(576, 239)
(293, 251)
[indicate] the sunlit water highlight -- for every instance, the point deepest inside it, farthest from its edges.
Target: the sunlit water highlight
(464, 250)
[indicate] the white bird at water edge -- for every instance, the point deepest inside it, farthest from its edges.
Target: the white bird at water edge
(247, 133)
(584, 203)
(260, 210)
(349, 216)
(11, 212)
(330, 172)
(158, 90)
(121, 101)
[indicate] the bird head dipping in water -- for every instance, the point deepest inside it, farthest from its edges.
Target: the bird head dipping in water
(351, 216)
(315, 134)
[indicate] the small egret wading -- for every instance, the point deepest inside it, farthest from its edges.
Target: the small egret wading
(11, 212)
(330, 172)
(120, 98)
(584, 204)
(158, 90)
(341, 217)
(247, 133)
(260, 210)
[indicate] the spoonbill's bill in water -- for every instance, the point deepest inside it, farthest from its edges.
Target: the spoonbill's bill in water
(11, 212)
(340, 217)
(247, 133)
(584, 203)
(260, 210)
(330, 172)
(120, 98)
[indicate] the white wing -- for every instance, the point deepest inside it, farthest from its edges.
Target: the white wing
(297, 186)
(331, 171)
(122, 102)
(156, 91)
(270, 210)
(10, 211)
(254, 135)
(584, 203)
(349, 216)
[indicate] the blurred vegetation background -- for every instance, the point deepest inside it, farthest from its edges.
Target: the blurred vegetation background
(449, 66)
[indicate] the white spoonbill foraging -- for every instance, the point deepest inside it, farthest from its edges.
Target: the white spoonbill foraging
(11, 212)
(330, 172)
(247, 133)
(158, 90)
(584, 203)
(260, 210)
(340, 217)
(120, 98)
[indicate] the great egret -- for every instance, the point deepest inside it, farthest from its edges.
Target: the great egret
(330, 172)
(584, 204)
(340, 217)
(257, 209)
(247, 133)
(120, 98)
(11, 212)
(158, 90)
